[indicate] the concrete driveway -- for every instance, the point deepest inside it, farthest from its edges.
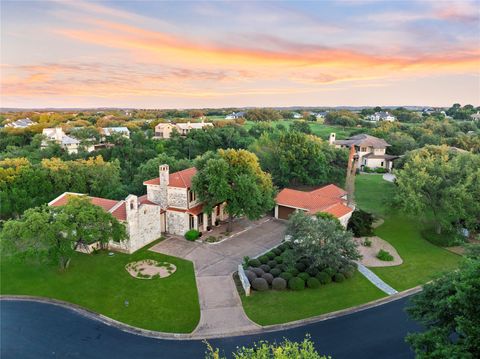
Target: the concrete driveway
(220, 305)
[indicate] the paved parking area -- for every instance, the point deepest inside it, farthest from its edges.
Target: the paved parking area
(220, 304)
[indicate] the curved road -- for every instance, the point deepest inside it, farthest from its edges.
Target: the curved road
(39, 330)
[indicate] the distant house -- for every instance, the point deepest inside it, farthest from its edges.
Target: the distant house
(330, 199)
(68, 143)
(475, 116)
(369, 151)
(320, 115)
(382, 116)
(235, 115)
(109, 131)
(22, 123)
(164, 130)
(297, 116)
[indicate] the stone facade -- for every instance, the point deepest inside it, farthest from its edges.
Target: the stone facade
(177, 222)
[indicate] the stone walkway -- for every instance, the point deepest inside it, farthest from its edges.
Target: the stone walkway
(221, 310)
(372, 277)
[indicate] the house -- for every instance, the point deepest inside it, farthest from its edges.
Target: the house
(109, 131)
(68, 143)
(475, 116)
(297, 116)
(382, 116)
(235, 115)
(140, 216)
(330, 199)
(164, 130)
(22, 123)
(321, 115)
(369, 151)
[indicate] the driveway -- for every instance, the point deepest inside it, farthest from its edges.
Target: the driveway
(220, 305)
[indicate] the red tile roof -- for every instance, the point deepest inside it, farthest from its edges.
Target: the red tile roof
(120, 212)
(182, 179)
(196, 210)
(106, 204)
(325, 199)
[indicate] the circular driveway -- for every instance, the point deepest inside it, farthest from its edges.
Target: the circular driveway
(40, 330)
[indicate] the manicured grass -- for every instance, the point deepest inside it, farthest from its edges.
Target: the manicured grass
(273, 307)
(422, 261)
(100, 283)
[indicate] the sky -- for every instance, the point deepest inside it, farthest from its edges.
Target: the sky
(196, 54)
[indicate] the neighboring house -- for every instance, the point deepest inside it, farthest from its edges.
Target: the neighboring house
(140, 216)
(297, 115)
(109, 131)
(369, 151)
(321, 115)
(22, 123)
(164, 130)
(475, 116)
(382, 116)
(68, 143)
(330, 199)
(235, 115)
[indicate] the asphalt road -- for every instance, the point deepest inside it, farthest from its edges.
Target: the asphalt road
(38, 330)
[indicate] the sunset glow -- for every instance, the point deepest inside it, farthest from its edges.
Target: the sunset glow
(217, 54)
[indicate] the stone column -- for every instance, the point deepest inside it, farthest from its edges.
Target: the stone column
(195, 222)
(214, 215)
(205, 221)
(276, 211)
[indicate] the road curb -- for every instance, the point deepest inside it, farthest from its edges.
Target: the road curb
(192, 336)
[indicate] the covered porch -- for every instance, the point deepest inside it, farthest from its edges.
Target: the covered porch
(204, 222)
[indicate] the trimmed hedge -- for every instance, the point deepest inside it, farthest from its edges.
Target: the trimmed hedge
(250, 275)
(260, 284)
(263, 259)
(313, 283)
(286, 275)
(265, 267)
(277, 251)
(192, 235)
(300, 266)
(384, 256)
(294, 271)
(324, 278)
(330, 271)
(282, 247)
(268, 277)
(296, 283)
(272, 263)
(271, 255)
(339, 277)
(304, 276)
(278, 259)
(279, 284)
(275, 272)
(312, 271)
(258, 271)
(254, 263)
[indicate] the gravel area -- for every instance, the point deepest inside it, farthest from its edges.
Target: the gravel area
(369, 254)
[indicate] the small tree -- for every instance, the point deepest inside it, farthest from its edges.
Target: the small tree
(320, 240)
(54, 233)
(234, 177)
(360, 223)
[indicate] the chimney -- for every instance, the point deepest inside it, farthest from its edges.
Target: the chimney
(164, 174)
(331, 139)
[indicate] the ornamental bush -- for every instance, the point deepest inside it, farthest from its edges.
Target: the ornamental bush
(384, 256)
(279, 284)
(258, 271)
(338, 277)
(296, 283)
(313, 283)
(277, 251)
(254, 263)
(300, 266)
(278, 259)
(265, 267)
(304, 276)
(294, 271)
(324, 278)
(347, 273)
(260, 284)
(275, 272)
(263, 259)
(286, 275)
(272, 263)
(312, 271)
(250, 275)
(268, 277)
(282, 247)
(330, 271)
(271, 255)
(192, 235)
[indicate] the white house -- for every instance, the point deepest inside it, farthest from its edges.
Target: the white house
(164, 130)
(109, 131)
(68, 143)
(22, 123)
(297, 115)
(235, 115)
(475, 116)
(369, 151)
(382, 116)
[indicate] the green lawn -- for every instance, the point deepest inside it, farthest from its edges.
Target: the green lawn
(101, 283)
(272, 307)
(422, 260)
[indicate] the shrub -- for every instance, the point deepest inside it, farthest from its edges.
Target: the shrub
(286, 275)
(360, 223)
(279, 284)
(278, 259)
(260, 284)
(263, 259)
(296, 283)
(304, 276)
(381, 170)
(250, 275)
(282, 247)
(265, 267)
(367, 242)
(277, 251)
(384, 256)
(338, 277)
(313, 283)
(192, 235)
(258, 271)
(254, 263)
(447, 238)
(300, 266)
(282, 267)
(347, 273)
(294, 271)
(272, 263)
(324, 278)
(271, 255)
(312, 271)
(330, 271)
(268, 277)
(330, 217)
(275, 272)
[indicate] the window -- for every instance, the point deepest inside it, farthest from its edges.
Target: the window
(191, 196)
(363, 149)
(381, 164)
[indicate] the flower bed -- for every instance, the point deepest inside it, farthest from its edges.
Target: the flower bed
(150, 269)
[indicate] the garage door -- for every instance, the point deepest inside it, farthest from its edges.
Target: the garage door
(284, 212)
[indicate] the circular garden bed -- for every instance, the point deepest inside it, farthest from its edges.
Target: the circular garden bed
(150, 269)
(269, 271)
